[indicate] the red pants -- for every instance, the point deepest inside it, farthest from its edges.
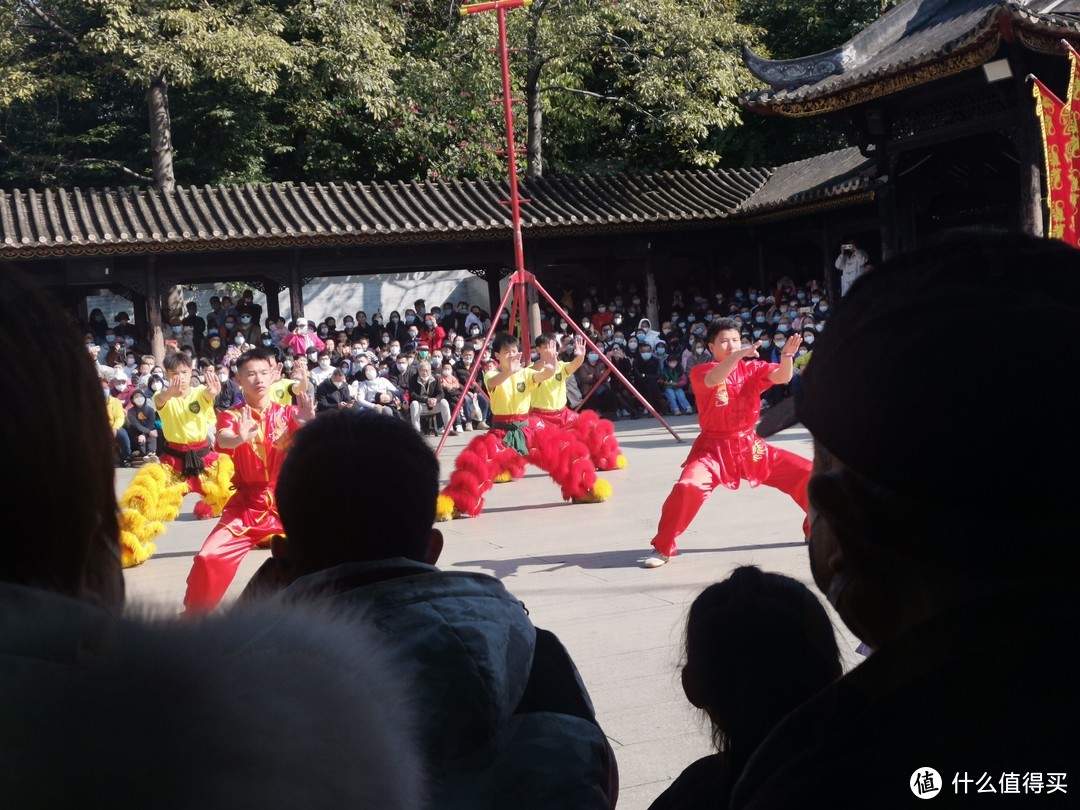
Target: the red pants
(788, 473)
(249, 518)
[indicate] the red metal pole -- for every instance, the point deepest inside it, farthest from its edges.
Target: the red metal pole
(511, 152)
(607, 361)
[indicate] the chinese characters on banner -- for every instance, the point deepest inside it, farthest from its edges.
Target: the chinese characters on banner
(1061, 146)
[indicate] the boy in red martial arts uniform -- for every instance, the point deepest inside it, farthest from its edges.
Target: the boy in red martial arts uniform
(728, 450)
(256, 436)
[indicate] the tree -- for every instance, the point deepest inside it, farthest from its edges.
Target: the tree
(623, 80)
(69, 70)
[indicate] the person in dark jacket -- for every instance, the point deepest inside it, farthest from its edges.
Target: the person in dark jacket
(334, 393)
(141, 425)
(427, 398)
(961, 580)
(506, 721)
(230, 395)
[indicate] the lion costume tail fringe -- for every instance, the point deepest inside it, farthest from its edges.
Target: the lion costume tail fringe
(153, 498)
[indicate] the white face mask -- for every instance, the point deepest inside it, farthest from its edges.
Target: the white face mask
(138, 401)
(339, 383)
(324, 363)
(370, 374)
(395, 351)
(155, 387)
(223, 377)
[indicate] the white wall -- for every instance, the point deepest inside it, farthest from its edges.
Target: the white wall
(346, 295)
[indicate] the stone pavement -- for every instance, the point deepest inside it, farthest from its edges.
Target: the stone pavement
(576, 568)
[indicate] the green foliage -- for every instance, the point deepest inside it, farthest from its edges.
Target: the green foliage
(795, 28)
(345, 90)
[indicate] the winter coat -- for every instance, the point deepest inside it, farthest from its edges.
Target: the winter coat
(505, 718)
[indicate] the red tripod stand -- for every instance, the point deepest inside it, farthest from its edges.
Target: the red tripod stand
(521, 279)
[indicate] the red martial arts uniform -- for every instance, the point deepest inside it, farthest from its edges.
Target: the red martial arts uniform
(728, 450)
(251, 515)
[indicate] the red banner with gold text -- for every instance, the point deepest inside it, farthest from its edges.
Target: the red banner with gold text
(1061, 147)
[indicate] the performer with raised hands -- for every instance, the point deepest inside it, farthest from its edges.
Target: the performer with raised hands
(728, 450)
(256, 436)
(549, 404)
(514, 438)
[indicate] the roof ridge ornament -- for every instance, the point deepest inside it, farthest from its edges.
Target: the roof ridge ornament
(788, 73)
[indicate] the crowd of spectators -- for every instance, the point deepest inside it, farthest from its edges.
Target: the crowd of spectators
(416, 365)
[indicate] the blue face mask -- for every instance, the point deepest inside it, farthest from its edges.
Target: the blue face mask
(593, 357)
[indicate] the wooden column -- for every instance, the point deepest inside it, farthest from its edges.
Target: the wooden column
(273, 306)
(492, 277)
(652, 304)
(1027, 134)
(886, 195)
(296, 286)
(153, 310)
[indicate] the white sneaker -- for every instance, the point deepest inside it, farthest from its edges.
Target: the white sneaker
(459, 429)
(655, 560)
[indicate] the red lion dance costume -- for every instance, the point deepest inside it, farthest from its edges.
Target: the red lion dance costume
(515, 438)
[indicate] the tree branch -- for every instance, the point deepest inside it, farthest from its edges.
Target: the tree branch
(600, 97)
(37, 11)
(112, 164)
(588, 93)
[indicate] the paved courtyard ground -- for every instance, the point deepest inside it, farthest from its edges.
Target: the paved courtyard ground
(577, 570)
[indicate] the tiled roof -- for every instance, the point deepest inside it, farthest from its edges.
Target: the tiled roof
(917, 41)
(814, 181)
(73, 221)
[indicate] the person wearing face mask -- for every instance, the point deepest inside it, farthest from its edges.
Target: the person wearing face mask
(645, 371)
(401, 372)
(248, 328)
(602, 317)
(453, 391)
(430, 332)
(333, 393)
(230, 395)
(673, 383)
(141, 426)
(476, 408)
(122, 389)
(376, 393)
(821, 310)
(215, 345)
(300, 338)
(426, 399)
(322, 368)
(412, 338)
(266, 342)
(646, 332)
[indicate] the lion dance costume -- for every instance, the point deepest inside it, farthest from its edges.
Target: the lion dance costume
(598, 435)
(514, 439)
(188, 464)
